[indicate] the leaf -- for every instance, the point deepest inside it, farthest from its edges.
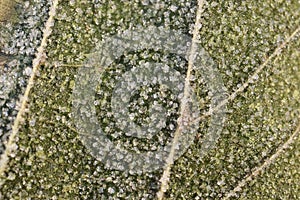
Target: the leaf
(16, 57)
(256, 48)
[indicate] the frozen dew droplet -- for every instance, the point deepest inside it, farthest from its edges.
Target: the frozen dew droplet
(173, 8)
(28, 71)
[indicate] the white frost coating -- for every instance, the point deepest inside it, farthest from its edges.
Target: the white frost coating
(285, 145)
(122, 93)
(265, 165)
(11, 147)
(183, 109)
(7, 83)
(251, 79)
(113, 154)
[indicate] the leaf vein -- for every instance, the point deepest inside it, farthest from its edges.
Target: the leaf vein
(38, 60)
(262, 167)
(170, 160)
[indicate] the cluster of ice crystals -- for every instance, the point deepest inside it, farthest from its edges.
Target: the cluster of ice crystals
(240, 31)
(19, 41)
(144, 112)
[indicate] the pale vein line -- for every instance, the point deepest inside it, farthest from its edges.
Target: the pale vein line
(166, 174)
(40, 56)
(252, 78)
(266, 164)
(170, 160)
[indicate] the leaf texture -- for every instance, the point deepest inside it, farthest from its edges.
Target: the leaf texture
(256, 48)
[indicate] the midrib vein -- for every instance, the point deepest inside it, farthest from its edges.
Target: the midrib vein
(170, 160)
(40, 56)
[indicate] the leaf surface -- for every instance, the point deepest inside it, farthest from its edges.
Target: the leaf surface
(251, 42)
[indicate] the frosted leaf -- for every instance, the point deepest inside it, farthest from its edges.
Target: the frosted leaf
(155, 117)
